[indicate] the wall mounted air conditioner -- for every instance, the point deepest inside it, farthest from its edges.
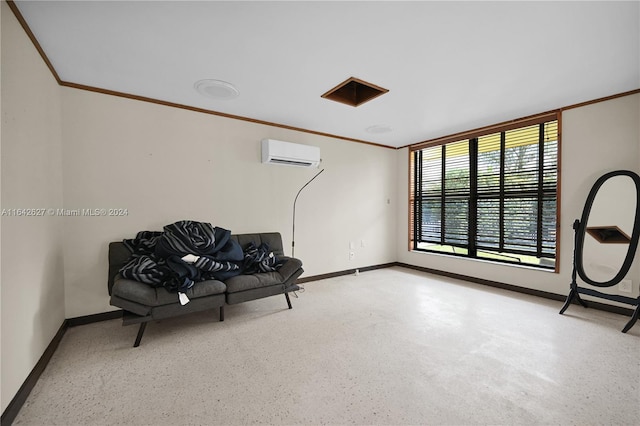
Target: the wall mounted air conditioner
(289, 154)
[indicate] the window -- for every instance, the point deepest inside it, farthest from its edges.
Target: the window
(489, 196)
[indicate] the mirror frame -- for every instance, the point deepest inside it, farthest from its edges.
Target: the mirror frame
(581, 231)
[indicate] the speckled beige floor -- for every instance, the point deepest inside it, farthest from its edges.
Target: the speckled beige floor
(391, 346)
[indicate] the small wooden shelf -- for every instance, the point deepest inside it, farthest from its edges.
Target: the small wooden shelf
(608, 234)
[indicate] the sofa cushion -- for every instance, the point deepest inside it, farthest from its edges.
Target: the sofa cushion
(119, 254)
(250, 282)
(151, 296)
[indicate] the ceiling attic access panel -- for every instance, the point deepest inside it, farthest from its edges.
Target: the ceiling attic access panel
(354, 92)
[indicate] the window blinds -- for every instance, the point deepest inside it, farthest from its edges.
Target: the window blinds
(496, 192)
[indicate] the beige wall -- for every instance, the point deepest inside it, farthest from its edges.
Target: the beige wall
(2, 400)
(596, 139)
(166, 164)
(32, 290)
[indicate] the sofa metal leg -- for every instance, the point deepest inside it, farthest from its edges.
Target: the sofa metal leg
(634, 318)
(288, 300)
(143, 325)
(222, 313)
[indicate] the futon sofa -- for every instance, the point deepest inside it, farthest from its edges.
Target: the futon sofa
(142, 303)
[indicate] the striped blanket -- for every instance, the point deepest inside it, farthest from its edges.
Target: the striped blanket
(157, 257)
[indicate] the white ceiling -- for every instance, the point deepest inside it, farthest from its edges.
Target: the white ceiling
(449, 66)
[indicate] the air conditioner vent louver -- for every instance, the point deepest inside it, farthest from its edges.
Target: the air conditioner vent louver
(291, 162)
(289, 154)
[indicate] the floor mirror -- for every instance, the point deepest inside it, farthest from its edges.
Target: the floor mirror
(605, 242)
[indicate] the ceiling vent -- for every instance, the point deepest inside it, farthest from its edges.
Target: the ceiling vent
(354, 92)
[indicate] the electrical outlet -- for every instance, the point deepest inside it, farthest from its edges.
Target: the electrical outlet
(625, 286)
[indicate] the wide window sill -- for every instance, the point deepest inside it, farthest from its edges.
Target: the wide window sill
(489, 261)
